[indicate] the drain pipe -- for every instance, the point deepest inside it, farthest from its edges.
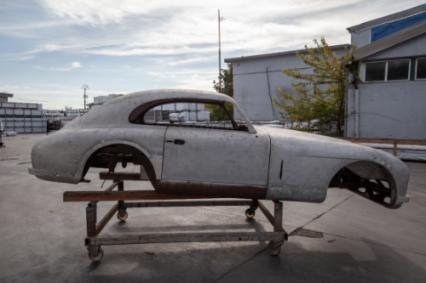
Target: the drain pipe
(357, 116)
(268, 84)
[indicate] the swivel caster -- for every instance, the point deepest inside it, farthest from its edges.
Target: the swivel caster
(96, 253)
(122, 215)
(250, 213)
(275, 247)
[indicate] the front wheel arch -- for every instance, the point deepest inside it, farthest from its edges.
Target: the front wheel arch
(368, 179)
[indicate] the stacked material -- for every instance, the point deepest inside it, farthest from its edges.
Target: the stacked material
(22, 117)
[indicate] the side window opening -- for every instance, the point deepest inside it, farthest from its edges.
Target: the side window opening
(192, 114)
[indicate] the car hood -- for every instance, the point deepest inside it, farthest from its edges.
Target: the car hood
(308, 144)
(317, 155)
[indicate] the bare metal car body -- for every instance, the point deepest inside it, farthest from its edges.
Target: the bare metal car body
(259, 162)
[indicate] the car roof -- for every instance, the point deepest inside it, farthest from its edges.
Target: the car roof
(166, 94)
(118, 110)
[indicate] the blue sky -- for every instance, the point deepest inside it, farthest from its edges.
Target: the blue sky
(50, 48)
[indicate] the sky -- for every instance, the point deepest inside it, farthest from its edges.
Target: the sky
(50, 48)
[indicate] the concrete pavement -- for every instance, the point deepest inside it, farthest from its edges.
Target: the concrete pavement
(346, 238)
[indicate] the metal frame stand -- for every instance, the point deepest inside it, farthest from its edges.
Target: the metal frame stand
(94, 241)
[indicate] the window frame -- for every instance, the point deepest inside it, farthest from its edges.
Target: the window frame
(376, 81)
(408, 73)
(364, 72)
(415, 69)
(141, 110)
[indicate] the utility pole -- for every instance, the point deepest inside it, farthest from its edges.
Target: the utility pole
(220, 55)
(85, 87)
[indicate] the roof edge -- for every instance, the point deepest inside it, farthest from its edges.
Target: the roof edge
(390, 41)
(275, 54)
(390, 17)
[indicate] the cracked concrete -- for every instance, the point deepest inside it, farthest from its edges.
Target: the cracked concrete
(346, 238)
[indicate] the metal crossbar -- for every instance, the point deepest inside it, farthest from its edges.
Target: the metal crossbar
(145, 199)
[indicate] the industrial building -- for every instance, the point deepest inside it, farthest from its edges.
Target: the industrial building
(258, 78)
(21, 117)
(53, 114)
(388, 98)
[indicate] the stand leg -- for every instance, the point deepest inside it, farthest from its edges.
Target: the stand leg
(91, 219)
(95, 251)
(275, 245)
(122, 210)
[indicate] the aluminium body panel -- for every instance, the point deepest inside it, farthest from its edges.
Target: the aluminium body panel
(299, 166)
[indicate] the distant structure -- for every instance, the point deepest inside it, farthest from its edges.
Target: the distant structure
(99, 100)
(85, 87)
(4, 96)
(72, 113)
(21, 117)
(181, 111)
(69, 113)
(388, 100)
(54, 115)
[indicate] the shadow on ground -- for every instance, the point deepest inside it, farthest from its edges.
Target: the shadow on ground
(243, 263)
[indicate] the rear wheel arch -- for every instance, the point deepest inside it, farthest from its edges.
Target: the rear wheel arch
(131, 150)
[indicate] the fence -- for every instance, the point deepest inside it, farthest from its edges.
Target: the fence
(393, 142)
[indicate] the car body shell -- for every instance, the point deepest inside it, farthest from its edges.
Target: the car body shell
(263, 162)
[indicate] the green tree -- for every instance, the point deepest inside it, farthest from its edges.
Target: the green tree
(223, 85)
(317, 98)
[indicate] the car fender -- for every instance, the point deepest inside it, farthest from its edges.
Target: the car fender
(78, 174)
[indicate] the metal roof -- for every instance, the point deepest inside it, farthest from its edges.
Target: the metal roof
(278, 54)
(390, 41)
(388, 18)
(5, 94)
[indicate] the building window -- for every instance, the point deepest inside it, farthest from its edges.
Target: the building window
(375, 71)
(421, 68)
(391, 70)
(398, 70)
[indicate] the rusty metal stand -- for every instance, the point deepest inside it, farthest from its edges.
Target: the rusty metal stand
(94, 241)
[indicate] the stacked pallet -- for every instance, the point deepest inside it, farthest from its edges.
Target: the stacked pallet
(22, 117)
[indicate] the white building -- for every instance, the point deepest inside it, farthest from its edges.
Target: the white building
(389, 98)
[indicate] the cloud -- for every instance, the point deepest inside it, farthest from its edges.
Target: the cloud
(162, 43)
(186, 78)
(71, 66)
(175, 28)
(148, 28)
(75, 65)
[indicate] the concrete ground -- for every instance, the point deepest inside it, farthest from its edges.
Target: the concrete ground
(346, 238)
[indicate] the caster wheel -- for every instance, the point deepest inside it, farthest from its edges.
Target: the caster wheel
(97, 255)
(275, 248)
(250, 213)
(122, 216)
(275, 252)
